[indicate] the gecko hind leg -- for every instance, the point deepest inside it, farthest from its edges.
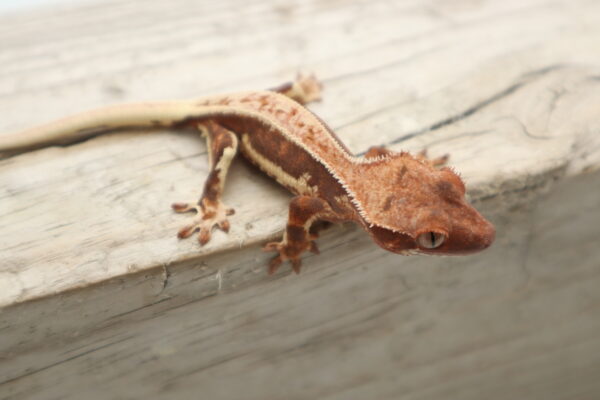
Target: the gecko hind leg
(211, 212)
(305, 89)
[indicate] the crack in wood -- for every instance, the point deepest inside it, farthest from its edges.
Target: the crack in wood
(460, 136)
(38, 370)
(117, 316)
(524, 128)
(166, 276)
(526, 79)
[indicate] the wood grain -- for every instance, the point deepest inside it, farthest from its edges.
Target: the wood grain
(99, 297)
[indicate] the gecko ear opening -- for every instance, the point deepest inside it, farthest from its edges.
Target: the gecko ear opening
(430, 240)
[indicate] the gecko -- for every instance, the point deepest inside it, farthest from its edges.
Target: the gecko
(407, 204)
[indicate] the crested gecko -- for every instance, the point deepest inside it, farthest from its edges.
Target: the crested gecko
(405, 203)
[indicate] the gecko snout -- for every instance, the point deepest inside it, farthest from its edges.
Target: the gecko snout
(475, 238)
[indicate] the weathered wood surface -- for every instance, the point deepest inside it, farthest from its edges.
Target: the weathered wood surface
(100, 298)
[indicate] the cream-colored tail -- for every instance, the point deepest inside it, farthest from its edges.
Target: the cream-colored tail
(81, 126)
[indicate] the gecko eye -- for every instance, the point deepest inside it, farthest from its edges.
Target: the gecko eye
(430, 240)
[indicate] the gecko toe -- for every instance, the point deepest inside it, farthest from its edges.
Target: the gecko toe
(184, 207)
(296, 265)
(224, 225)
(434, 162)
(271, 246)
(187, 231)
(442, 160)
(204, 236)
(314, 248)
(274, 264)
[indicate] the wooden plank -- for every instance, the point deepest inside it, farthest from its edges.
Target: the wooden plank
(94, 281)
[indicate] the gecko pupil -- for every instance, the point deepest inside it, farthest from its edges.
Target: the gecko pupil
(430, 239)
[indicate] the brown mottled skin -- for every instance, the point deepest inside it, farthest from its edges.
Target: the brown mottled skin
(404, 202)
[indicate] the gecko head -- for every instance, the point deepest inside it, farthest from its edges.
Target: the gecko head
(427, 212)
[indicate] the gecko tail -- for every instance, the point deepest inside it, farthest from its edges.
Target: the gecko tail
(80, 127)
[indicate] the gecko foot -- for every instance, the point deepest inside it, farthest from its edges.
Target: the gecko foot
(305, 89)
(435, 162)
(308, 87)
(208, 217)
(291, 252)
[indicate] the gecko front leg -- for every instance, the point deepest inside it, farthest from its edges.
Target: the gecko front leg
(303, 211)
(434, 162)
(222, 148)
